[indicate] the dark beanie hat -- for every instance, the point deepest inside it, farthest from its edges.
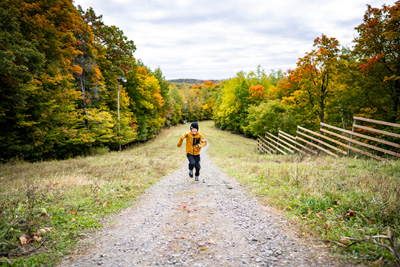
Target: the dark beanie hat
(194, 125)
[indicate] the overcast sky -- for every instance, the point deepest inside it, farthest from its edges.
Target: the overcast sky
(211, 39)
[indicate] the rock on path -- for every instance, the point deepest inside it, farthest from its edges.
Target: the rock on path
(208, 223)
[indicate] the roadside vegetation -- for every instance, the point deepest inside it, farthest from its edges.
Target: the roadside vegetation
(337, 200)
(47, 206)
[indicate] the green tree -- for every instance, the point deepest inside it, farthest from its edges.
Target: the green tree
(237, 95)
(272, 117)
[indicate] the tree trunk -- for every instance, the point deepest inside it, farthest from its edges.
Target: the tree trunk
(84, 104)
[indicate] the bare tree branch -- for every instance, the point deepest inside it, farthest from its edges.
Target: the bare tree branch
(391, 248)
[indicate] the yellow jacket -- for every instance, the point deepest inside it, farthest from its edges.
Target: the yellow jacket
(190, 147)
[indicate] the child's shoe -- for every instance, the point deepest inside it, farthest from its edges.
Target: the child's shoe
(191, 173)
(196, 178)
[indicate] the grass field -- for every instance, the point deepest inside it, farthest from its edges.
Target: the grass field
(48, 205)
(335, 199)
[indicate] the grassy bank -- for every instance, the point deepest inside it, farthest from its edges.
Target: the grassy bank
(332, 198)
(46, 206)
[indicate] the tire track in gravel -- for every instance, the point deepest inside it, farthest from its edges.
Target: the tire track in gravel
(208, 223)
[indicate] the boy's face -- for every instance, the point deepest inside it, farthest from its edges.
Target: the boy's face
(194, 131)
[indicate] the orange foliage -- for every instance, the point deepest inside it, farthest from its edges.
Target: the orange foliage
(158, 99)
(142, 71)
(370, 63)
(257, 92)
(76, 69)
(209, 83)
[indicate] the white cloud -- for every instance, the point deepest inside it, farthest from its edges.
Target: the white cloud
(215, 39)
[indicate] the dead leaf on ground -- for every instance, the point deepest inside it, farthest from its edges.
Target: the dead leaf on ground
(327, 226)
(184, 237)
(23, 240)
(40, 231)
(106, 204)
(210, 242)
(319, 215)
(351, 214)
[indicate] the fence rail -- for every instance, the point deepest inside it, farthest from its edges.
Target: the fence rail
(309, 142)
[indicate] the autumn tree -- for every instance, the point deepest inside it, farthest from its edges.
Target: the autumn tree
(315, 76)
(38, 97)
(146, 102)
(208, 93)
(114, 59)
(377, 47)
(237, 95)
(58, 85)
(174, 116)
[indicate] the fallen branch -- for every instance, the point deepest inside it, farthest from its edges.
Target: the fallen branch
(391, 248)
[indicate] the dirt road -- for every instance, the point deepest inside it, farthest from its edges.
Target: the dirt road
(209, 223)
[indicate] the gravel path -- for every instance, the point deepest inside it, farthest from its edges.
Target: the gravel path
(208, 223)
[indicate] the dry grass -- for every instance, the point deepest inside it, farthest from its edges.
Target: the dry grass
(73, 195)
(141, 163)
(330, 197)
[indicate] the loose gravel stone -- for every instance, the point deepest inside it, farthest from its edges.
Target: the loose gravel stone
(185, 223)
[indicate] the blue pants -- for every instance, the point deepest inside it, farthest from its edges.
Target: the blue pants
(194, 162)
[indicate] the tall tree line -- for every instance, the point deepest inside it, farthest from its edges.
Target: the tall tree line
(330, 83)
(60, 65)
(195, 102)
(59, 69)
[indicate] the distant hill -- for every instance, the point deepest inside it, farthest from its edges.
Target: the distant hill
(191, 81)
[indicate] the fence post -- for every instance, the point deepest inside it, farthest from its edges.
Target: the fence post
(351, 137)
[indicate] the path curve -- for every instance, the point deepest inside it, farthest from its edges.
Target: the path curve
(208, 223)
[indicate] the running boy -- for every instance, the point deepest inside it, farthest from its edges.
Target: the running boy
(194, 142)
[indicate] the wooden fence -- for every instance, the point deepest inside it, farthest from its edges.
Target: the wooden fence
(335, 141)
